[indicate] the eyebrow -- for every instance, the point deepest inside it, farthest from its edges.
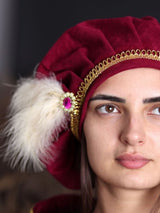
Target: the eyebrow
(151, 100)
(107, 97)
(121, 100)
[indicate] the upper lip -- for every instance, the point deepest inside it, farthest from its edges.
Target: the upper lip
(130, 156)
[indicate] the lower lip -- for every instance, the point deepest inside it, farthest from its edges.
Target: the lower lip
(133, 164)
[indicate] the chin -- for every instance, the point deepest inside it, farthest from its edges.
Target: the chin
(139, 183)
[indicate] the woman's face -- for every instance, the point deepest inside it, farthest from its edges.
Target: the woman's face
(122, 130)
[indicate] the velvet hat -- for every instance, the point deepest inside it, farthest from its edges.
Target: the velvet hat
(48, 110)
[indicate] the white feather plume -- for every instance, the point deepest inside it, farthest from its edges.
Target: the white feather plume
(36, 119)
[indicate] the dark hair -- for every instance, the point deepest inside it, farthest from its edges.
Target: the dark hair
(87, 180)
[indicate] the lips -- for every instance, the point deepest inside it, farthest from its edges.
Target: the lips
(132, 161)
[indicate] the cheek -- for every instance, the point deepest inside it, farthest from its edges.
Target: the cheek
(102, 141)
(100, 130)
(153, 141)
(95, 134)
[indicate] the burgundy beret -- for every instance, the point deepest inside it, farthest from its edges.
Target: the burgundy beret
(113, 45)
(82, 58)
(91, 42)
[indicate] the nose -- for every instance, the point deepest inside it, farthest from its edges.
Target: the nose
(133, 131)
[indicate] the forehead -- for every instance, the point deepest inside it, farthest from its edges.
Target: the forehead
(133, 81)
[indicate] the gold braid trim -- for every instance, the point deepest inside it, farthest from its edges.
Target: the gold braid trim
(96, 71)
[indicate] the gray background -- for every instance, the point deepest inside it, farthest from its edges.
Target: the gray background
(39, 23)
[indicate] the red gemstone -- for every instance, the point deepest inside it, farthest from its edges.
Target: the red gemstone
(67, 103)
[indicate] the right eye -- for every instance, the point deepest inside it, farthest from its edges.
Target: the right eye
(107, 109)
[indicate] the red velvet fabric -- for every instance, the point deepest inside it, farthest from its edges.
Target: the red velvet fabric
(59, 204)
(76, 52)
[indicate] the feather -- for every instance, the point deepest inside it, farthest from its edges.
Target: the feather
(35, 121)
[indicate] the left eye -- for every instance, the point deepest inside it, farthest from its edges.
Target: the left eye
(107, 109)
(156, 111)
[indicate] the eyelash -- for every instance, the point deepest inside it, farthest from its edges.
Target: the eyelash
(107, 109)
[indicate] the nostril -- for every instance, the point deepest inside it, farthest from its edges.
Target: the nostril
(132, 139)
(141, 142)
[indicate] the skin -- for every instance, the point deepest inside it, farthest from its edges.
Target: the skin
(127, 124)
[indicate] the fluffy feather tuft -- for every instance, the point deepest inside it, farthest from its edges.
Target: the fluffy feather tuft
(36, 119)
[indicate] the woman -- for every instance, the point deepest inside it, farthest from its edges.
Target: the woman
(95, 94)
(122, 136)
